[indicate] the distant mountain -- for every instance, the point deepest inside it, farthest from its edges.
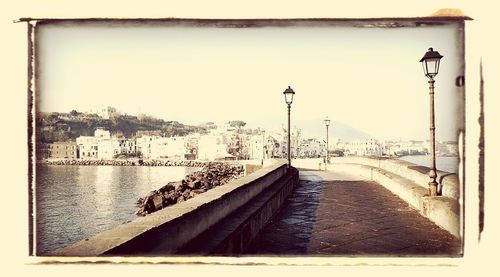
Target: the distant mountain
(336, 130)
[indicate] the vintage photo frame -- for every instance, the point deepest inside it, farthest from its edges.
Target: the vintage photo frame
(33, 24)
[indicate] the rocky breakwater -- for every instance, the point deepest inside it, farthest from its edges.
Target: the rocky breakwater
(187, 163)
(92, 162)
(120, 162)
(212, 174)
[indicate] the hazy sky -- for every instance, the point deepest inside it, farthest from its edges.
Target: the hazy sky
(368, 78)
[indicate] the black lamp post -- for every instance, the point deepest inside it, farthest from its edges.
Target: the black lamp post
(289, 99)
(430, 64)
(327, 123)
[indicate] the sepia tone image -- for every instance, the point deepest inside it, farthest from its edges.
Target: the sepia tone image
(247, 137)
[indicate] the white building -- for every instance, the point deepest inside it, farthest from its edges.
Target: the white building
(273, 145)
(88, 147)
(446, 148)
(411, 147)
(108, 148)
(143, 145)
(156, 147)
(102, 133)
(127, 146)
(295, 141)
(366, 147)
(256, 147)
(103, 111)
(312, 148)
(192, 146)
(173, 148)
(103, 146)
(211, 147)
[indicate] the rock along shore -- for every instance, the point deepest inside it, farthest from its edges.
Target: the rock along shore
(186, 163)
(212, 174)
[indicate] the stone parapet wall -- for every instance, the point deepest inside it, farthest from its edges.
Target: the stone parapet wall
(419, 174)
(167, 230)
(442, 210)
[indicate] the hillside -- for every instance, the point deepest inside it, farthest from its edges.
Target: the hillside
(68, 126)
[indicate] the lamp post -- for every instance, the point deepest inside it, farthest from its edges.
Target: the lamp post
(327, 123)
(430, 64)
(289, 99)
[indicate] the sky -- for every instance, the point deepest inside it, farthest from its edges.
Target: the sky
(366, 78)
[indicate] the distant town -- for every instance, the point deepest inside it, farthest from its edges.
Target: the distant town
(105, 134)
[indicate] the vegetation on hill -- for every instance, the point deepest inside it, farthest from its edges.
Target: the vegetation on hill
(68, 126)
(237, 123)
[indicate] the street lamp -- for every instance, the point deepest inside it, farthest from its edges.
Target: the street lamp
(327, 123)
(430, 64)
(289, 99)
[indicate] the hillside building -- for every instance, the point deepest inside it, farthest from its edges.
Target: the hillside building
(63, 150)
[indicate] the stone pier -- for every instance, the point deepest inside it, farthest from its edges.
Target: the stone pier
(337, 214)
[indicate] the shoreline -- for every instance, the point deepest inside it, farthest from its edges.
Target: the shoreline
(135, 162)
(428, 155)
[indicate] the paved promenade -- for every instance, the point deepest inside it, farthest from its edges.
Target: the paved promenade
(334, 214)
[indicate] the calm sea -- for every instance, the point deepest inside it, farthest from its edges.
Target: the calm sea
(77, 202)
(448, 164)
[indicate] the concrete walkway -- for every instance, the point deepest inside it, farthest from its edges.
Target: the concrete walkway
(332, 213)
